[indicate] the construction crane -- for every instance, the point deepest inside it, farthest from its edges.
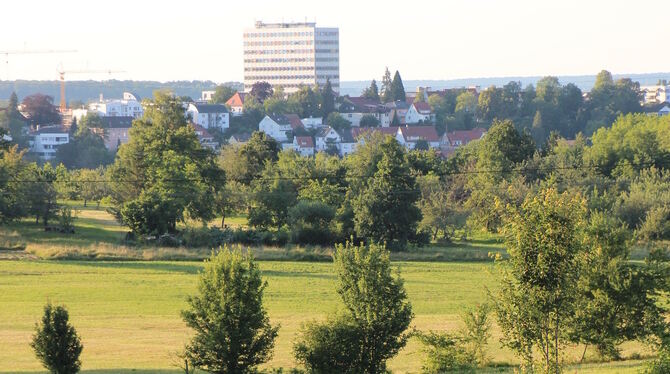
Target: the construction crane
(62, 72)
(8, 53)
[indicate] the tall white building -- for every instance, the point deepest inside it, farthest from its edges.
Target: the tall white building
(291, 55)
(129, 106)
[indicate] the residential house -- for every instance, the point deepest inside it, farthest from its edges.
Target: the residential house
(205, 138)
(460, 138)
(419, 112)
(664, 111)
(236, 104)
(239, 138)
(45, 140)
(408, 136)
(128, 106)
(207, 96)
(327, 138)
(354, 108)
(304, 145)
(656, 94)
(312, 122)
(115, 131)
(348, 143)
(209, 115)
(398, 111)
(280, 127)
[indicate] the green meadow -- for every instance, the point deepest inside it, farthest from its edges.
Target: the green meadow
(128, 312)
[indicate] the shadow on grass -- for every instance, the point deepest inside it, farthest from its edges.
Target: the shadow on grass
(171, 267)
(108, 371)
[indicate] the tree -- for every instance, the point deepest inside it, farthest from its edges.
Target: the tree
(397, 88)
(92, 185)
(466, 102)
(311, 223)
(369, 120)
(372, 92)
(41, 193)
(56, 343)
(85, 150)
(222, 94)
(373, 328)
(41, 109)
(538, 292)
(327, 100)
(387, 94)
(164, 173)
(13, 193)
(603, 79)
(246, 163)
(385, 208)
(233, 333)
(337, 122)
(308, 102)
(261, 91)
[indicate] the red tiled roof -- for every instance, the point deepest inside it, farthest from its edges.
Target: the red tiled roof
(423, 107)
(236, 100)
(363, 101)
(304, 141)
(466, 136)
(414, 133)
(201, 131)
(357, 132)
(295, 121)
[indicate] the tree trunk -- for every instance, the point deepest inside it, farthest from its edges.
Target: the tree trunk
(584, 354)
(223, 220)
(84, 203)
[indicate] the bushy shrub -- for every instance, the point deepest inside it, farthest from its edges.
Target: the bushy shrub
(56, 343)
(656, 224)
(660, 365)
(446, 353)
(311, 222)
(332, 347)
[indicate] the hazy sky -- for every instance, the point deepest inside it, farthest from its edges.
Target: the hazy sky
(199, 39)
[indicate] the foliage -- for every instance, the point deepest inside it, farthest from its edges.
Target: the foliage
(222, 94)
(232, 330)
(163, 173)
(369, 120)
(261, 91)
(311, 222)
(538, 289)
(86, 150)
(327, 100)
(387, 91)
(56, 343)
(337, 122)
(40, 109)
(371, 92)
(385, 207)
(397, 90)
(373, 329)
(446, 353)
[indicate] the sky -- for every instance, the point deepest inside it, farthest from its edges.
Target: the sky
(429, 39)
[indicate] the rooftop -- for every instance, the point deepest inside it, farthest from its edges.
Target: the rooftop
(283, 25)
(210, 108)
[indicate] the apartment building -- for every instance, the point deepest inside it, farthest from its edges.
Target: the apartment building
(129, 106)
(291, 55)
(45, 140)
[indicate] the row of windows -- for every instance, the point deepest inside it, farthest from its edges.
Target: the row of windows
(287, 34)
(279, 42)
(271, 60)
(280, 68)
(327, 51)
(277, 51)
(276, 77)
(276, 34)
(300, 85)
(327, 42)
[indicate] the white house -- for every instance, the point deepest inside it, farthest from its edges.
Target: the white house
(327, 137)
(664, 111)
(419, 113)
(656, 94)
(410, 135)
(304, 145)
(312, 122)
(236, 104)
(129, 106)
(45, 140)
(207, 95)
(280, 127)
(209, 115)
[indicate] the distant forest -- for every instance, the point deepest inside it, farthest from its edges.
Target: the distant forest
(91, 90)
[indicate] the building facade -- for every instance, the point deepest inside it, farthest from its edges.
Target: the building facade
(209, 115)
(129, 106)
(291, 55)
(45, 140)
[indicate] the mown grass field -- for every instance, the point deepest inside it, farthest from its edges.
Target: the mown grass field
(128, 312)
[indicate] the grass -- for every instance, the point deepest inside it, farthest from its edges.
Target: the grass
(127, 307)
(128, 312)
